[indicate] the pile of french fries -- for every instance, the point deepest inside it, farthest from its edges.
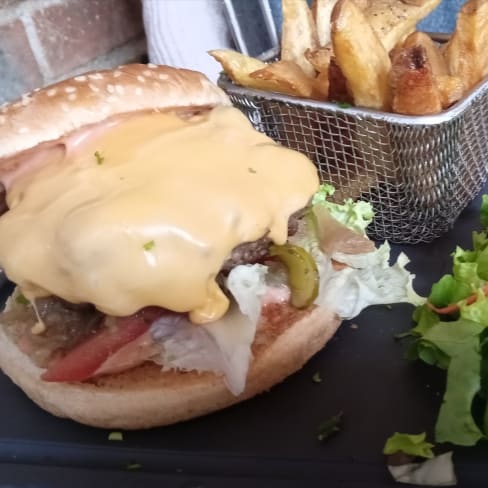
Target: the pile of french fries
(368, 53)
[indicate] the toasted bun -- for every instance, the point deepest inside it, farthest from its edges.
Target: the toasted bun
(147, 397)
(49, 113)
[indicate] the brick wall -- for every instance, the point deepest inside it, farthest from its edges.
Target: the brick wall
(42, 41)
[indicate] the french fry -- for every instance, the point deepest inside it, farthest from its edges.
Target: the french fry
(321, 86)
(451, 89)
(321, 10)
(360, 56)
(237, 66)
(393, 20)
(286, 77)
(467, 50)
(413, 84)
(298, 34)
(432, 51)
(320, 58)
(338, 89)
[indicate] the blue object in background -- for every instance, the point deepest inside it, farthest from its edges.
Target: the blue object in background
(442, 19)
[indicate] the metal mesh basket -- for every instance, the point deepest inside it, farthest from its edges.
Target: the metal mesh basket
(419, 173)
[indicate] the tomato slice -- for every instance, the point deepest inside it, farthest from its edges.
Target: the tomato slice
(83, 360)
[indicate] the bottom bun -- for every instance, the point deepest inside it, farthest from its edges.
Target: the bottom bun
(147, 397)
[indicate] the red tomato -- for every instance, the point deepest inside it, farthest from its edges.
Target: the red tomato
(83, 360)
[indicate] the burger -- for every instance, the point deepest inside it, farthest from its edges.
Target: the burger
(168, 259)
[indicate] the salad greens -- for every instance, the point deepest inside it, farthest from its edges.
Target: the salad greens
(413, 444)
(451, 332)
(356, 215)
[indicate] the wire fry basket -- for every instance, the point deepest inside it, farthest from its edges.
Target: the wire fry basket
(419, 173)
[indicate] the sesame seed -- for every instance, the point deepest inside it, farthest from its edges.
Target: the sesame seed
(72, 96)
(151, 65)
(146, 72)
(95, 76)
(117, 73)
(23, 130)
(139, 91)
(141, 79)
(110, 88)
(65, 107)
(111, 99)
(119, 89)
(70, 89)
(93, 88)
(36, 90)
(80, 78)
(3, 108)
(105, 109)
(2, 119)
(163, 76)
(51, 92)
(25, 100)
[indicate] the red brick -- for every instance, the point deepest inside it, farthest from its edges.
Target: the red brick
(19, 70)
(77, 31)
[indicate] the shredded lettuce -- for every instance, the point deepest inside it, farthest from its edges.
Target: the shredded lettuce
(356, 215)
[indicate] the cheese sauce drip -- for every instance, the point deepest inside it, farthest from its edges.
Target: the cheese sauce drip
(146, 211)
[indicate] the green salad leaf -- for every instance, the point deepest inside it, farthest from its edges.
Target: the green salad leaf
(355, 215)
(412, 444)
(451, 332)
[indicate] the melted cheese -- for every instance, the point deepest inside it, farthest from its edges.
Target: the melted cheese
(154, 222)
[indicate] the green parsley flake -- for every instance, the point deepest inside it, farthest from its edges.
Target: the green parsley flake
(22, 300)
(344, 105)
(316, 378)
(149, 245)
(99, 157)
(133, 466)
(115, 436)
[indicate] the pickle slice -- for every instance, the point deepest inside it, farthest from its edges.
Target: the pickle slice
(303, 276)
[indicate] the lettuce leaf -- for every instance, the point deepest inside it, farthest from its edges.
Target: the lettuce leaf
(356, 215)
(412, 444)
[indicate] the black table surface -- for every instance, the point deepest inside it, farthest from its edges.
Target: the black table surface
(269, 441)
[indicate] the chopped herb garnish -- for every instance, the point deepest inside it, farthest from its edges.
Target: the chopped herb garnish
(99, 157)
(149, 245)
(115, 436)
(133, 466)
(252, 170)
(330, 427)
(316, 378)
(344, 105)
(22, 300)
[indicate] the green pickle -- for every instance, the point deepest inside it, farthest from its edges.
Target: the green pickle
(303, 276)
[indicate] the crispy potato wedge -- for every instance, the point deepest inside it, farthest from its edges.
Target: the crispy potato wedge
(320, 58)
(467, 50)
(338, 88)
(361, 56)
(321, 86)
(298, 34)
(288, 78)
(451, 89)
(413, 84)
(321, 10)
(434, 54)
(393, 20)
(237, 66)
